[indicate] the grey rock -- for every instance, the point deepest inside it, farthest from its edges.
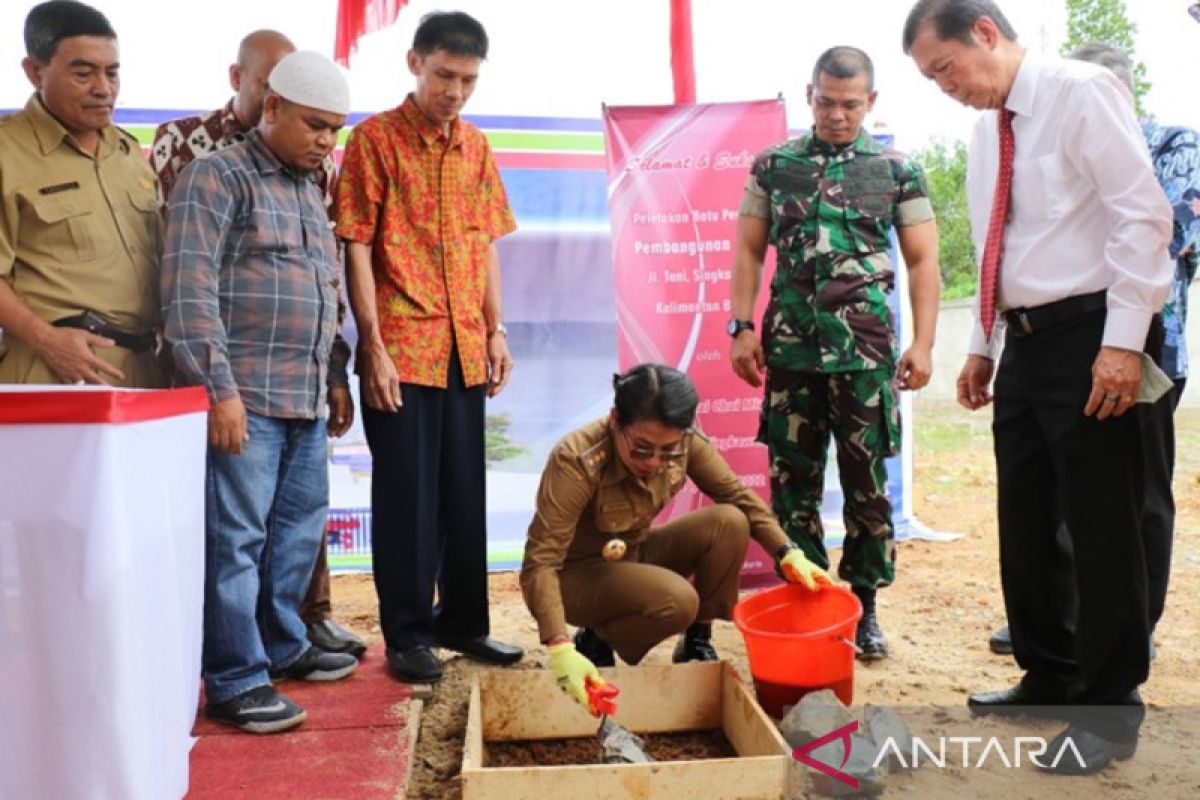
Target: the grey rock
(817, 714)
(883, 724)
(872, 780)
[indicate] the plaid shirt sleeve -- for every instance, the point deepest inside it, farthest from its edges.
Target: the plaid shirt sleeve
(198, 216)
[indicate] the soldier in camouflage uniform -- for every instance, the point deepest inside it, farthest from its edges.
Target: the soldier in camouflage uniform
(827, 201)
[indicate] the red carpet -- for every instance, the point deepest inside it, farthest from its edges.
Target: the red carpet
(355, 744)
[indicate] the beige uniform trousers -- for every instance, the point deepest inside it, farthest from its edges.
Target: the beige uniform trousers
(635, 603)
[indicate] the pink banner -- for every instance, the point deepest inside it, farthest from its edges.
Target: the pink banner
(675, 180)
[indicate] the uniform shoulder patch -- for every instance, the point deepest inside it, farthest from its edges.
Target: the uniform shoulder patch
(595, 457)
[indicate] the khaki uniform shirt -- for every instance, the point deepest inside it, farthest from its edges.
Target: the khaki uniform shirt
(77, 232)
(587, 497)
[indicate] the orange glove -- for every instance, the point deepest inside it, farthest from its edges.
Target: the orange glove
(602, 696)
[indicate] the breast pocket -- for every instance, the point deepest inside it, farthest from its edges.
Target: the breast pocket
(63, 231)
(868, 214)
(146, 223)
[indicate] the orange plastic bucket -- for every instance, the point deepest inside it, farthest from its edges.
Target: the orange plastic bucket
(799, 641)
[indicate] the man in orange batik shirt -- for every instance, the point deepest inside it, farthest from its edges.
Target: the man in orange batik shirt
(419, 204)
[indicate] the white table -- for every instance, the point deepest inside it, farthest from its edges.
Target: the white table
(101, 590)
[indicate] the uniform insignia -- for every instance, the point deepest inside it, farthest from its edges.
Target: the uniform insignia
(59, 187)
(614, 550)
(594, 458)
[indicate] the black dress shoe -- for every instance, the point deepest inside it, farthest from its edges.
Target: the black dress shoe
(414, 665)
(695, 644)
(593, 648)
(1094, 753)
(1000, 642)
(333, 638)
(481, 648)
(1019, 700)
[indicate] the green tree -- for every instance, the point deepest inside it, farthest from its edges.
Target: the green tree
(945, 168)
(499, 446)
(1105, 22)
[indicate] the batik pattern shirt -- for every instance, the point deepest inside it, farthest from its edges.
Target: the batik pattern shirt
(429, 203)
(831, 210)
(1175, 153)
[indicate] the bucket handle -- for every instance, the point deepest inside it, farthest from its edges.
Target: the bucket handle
(857, 650)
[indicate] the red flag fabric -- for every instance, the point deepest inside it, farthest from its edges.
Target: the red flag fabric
(683, 70)
(356, 18)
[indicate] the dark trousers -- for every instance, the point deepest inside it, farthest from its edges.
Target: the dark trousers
(1158, 514)
(1052, 462)
(1158, 520)
(428, 513)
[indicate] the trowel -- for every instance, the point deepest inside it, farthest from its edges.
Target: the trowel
(618, 745)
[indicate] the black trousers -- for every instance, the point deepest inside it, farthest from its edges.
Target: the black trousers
(1053, 462)
(1158, 520)
(428, 512)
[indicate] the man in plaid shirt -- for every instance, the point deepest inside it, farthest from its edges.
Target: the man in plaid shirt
(249, 290)
(181, 141)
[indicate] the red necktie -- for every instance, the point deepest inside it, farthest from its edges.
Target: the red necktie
(989, 271)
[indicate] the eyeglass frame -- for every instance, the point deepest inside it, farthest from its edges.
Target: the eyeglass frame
(642, 454)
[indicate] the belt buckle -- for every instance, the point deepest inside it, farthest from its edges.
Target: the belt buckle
(1023, 318)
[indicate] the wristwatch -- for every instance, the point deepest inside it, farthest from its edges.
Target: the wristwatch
(736, 326)
(499, 329)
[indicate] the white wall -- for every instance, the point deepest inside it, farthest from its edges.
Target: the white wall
(954, 334)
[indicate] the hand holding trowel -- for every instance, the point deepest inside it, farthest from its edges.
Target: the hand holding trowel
(578, 677)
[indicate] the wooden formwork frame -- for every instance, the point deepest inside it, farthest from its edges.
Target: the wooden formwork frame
(516, 705)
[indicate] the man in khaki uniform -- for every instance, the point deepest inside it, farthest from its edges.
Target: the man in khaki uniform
(80, 233)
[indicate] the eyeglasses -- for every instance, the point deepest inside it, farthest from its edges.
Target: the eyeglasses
(647, 453)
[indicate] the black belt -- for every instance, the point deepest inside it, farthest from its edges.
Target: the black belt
(1026, 321)
(92, 322)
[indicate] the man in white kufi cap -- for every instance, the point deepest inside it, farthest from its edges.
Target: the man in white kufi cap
(249, 292)
(312, 80)
(179, 142)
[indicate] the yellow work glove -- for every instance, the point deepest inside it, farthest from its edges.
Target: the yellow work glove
(570, 668)
(798, 569)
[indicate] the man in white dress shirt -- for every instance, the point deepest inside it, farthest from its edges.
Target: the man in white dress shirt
(1081, 270)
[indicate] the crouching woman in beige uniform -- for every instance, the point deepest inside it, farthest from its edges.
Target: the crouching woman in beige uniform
(592, 558)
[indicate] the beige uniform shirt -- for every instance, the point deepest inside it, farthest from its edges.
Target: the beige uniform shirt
(587, 497)
(77, 232)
